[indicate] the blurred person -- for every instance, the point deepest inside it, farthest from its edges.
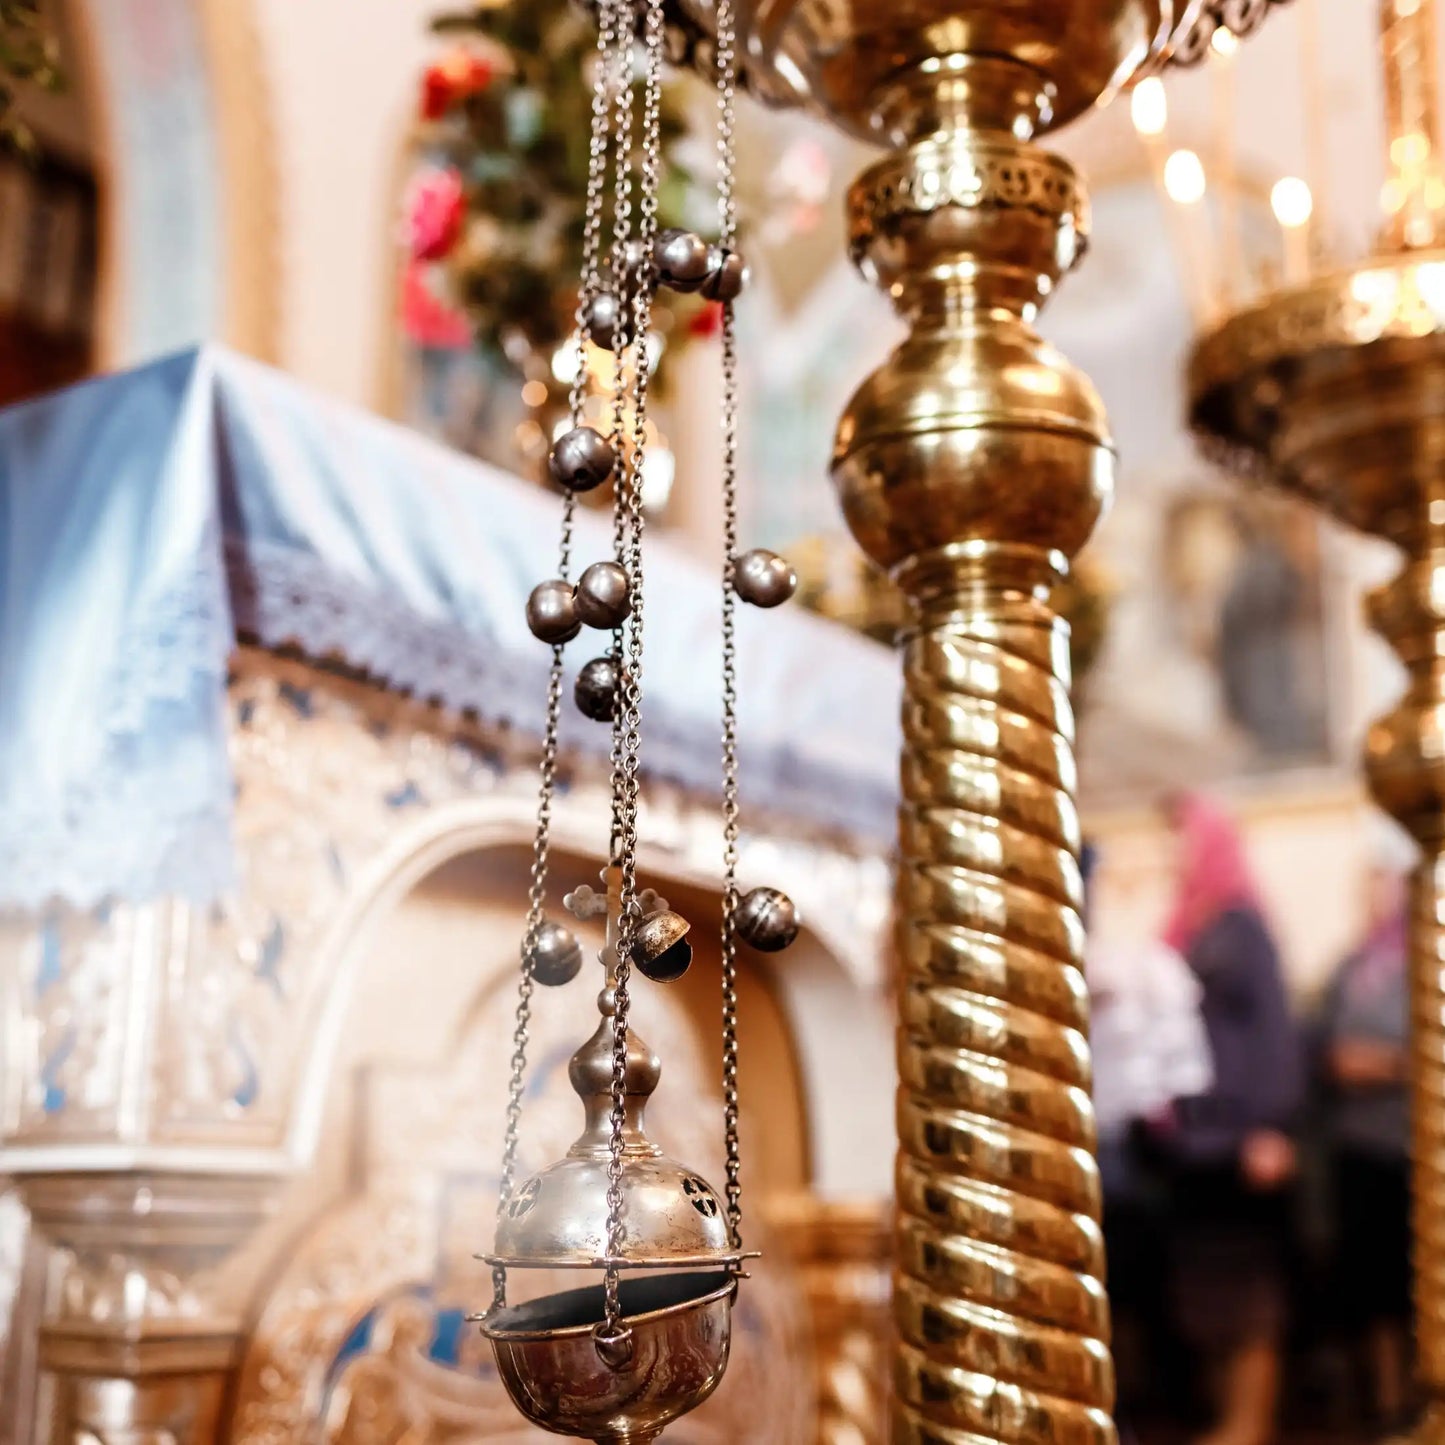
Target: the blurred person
(1228, 1148)
(1362, 1072)
(1149, 1047)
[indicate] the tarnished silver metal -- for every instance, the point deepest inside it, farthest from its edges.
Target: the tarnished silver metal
(763, 578)
(604, 596)
(581, 460)
(726, 81)
(727, 274)
(618, 1362)
(768, 920)
(682, 260)
(556, 955)
(606, 321)
(559, 1218)
(597, 688)
(552, 612)
(678, 1332)
(660, 948)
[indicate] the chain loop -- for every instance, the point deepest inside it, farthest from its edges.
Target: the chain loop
(727, 216)
(542, 841)
(597, 156)
(629, 526)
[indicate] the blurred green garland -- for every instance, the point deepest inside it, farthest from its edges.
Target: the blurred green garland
(29, 55)
(507, 112)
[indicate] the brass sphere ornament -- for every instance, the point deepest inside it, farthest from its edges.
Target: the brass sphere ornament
(763, 578)
(581, 460)
(767, 919)
(604, 596)
(617, 1362)
(552, 612)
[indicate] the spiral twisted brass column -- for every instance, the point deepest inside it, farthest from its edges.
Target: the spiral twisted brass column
(1406, 768)
(972, 465)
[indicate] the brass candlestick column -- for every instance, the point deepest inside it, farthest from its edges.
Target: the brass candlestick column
(972, 466)
(1336, 391)
(1406, 768)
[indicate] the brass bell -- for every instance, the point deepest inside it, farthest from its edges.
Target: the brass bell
(767, 919)
(660, 949)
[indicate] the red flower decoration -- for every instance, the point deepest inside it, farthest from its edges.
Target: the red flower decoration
(429, 319)
(453, 78)
(435, 210)
(707, 322)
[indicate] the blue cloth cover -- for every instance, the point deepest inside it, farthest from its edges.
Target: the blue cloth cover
(148, 518)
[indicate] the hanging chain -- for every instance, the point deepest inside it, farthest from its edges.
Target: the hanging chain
(597, 156)
(542, 841)
(628, 725)
(727, 211)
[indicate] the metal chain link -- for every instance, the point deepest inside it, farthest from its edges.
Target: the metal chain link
(542, 841)
(623, 66)
(727, 211)
(628, 727)
(598, 146)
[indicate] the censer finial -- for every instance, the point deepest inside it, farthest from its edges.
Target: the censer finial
(616, 1362)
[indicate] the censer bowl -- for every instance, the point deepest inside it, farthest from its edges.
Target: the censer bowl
(681, 1326)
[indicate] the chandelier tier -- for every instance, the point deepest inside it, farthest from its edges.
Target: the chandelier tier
(1333, 389)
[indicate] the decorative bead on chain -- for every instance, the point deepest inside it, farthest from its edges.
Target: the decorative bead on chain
(668, 1250)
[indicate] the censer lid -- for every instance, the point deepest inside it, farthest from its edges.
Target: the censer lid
(558, 1219)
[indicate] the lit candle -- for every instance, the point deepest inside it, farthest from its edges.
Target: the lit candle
(1293, 205)
(1180, 175)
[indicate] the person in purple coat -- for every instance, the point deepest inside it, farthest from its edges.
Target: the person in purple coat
(1229, 1150)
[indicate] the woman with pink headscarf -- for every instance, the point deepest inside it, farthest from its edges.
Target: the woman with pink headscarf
(1229, 1149)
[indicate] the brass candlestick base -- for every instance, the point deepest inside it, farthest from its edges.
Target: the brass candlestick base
(1337, 391)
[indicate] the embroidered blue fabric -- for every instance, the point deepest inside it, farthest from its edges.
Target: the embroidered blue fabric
(148, 519)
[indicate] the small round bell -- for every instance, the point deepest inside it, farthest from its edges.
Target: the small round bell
(767, 919)
(597, 689)
(581, 460)
(682, 259)
(552, 612)
(727, 274)
(556, 955)
(660, 948)
(764, 578)
(604, 596)
(608, 321)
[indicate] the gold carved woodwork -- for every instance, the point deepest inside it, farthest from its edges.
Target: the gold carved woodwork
(841, 1251)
